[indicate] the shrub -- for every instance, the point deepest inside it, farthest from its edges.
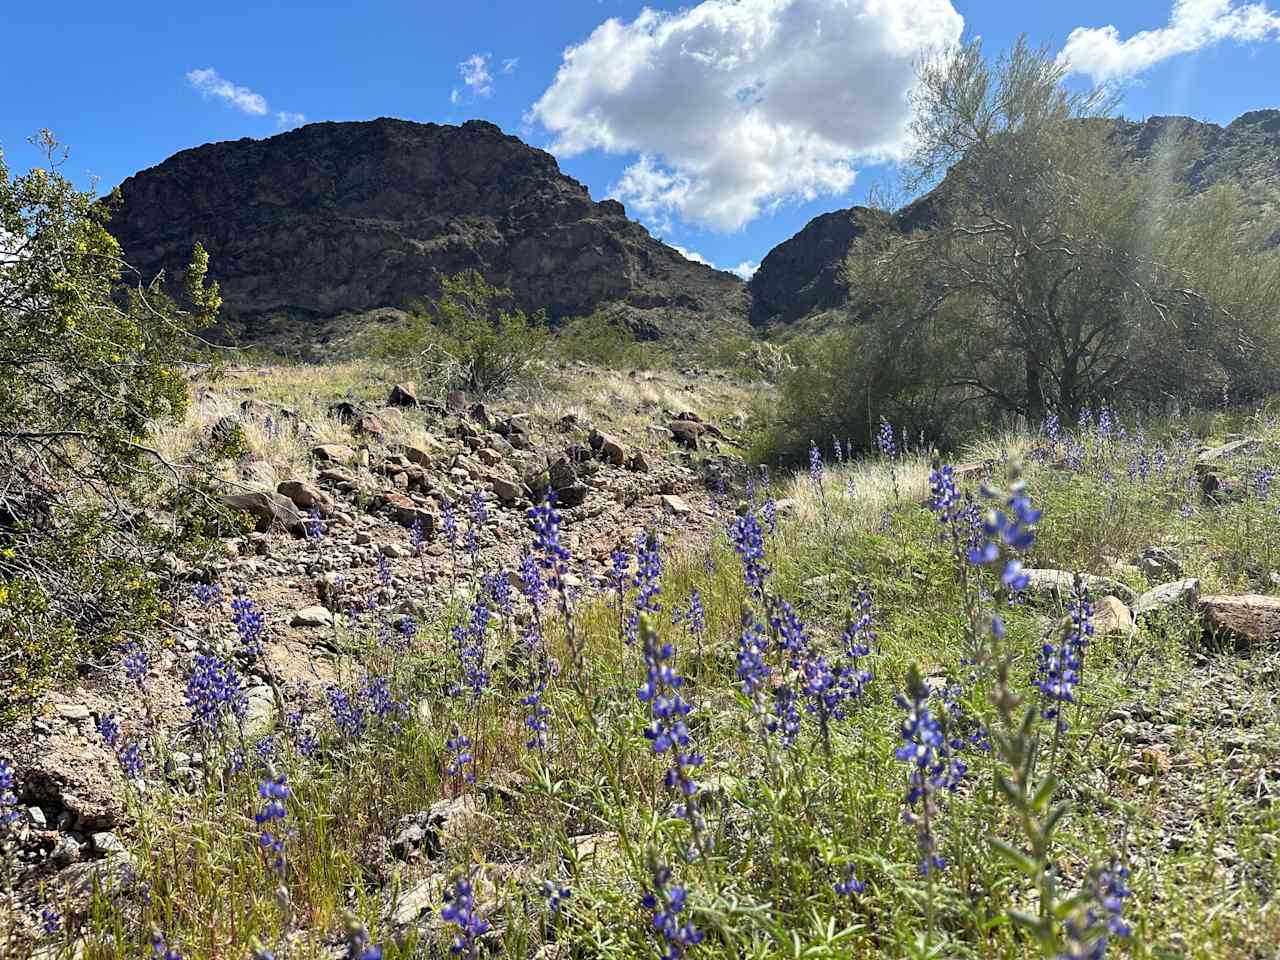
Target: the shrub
(85, 368)
(468, 340)
(602, 340)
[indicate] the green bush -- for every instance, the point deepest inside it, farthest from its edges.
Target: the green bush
(470, 339)
(604, 341)
(86, 367)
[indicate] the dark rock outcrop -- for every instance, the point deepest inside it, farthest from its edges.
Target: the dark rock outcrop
(316, 229)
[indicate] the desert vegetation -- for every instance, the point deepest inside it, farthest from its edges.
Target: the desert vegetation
(951, 634)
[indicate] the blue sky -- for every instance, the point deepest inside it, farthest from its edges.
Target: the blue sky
(723, 126)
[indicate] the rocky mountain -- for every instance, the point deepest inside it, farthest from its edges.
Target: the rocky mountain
(801, 277)
(313, 230)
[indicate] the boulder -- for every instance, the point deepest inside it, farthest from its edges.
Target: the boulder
(367, 425)
(403, 395)
(686, 432)
(1182, 593)
(267, 509)
(506, 490)
(406, 512)
(562, 474)
(1111, 617)
(1228, 451)
(303, 495)
(611, 450)
(673, 504)
(67, 771)
(1244, 621)
(1047, 585)
(333, 453)
(638, 463)
(315, 616)
(1158, 564)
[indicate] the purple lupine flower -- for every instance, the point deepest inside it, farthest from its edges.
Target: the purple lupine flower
(531, 585)
(748, 543)
(1088, 934)
(214, 692)
(160, 950)
(136, 663)
(384, 572)
(275, 791)
(752, 670)
(769, 513)
(375, 691)
(885, 442)
(666, 903)
(498, 586)
(8, 798)
(668, 731)
(207, 594)
(849, 884)
(537, 713)
(790, 632)
(555, 895)
(815, 465)
(461, 760)
(933, 768)
(460, 910)
(131, 760)
(417, 537)
(348, 712)
(839, 450)
(249, 626)
(50, 921)
(449, 523)
(313, 525)
(1060, 665)
(1052, 428)
(109, 730)
(647, 581)
(554, 556)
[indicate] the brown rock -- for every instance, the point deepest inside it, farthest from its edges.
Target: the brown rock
(675, 504)
(403, 395)
(506, 490)
(406, 512)
(303, 494)
(1243, 621)
(334, 453)
(267, 509)
(562, 475)
(686, 432)
(638, 463)
(609, 449)
(489, 456)
(367, 425)
(67, 771)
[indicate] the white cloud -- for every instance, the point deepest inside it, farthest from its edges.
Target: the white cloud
(1100, 52)
(288, 120)
(733, 108)
(691, 255)
(475, 74)
(210, 83)
(509, 66)
(455, 96)
(746, 269)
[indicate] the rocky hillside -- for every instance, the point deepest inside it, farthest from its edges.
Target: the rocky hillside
(312, 229)
(801, 277)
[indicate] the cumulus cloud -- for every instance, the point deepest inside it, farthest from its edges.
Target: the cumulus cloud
(691, 255)
(212, 84)
(731, 108)
(1103, 55)
(287, 120)
(475, 74)
(746, 269)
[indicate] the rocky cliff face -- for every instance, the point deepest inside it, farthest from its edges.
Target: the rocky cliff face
(801, 276)
(317, 227)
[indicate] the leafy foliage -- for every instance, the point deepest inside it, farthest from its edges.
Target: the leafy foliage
(468, 340)
(84, 370)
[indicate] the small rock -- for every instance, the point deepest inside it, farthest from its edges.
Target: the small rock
(489, 456)
(74, 712)
(1158, 564)
(1183, 593)
(65, 851)
(675, 504)
(267, 510)
(303, 495)
(508, 491)
(393, 551)
(316, 616)
(106, 842)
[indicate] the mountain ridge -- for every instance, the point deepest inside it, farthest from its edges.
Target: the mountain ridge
(321, 225)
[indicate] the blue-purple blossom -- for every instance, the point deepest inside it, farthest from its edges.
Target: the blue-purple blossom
(848, 885)
(748, 543)
(131, 760)
(160, 950)
(109, 730)
(885, 442)
(815, 464)
(8, 799)
(666, 903)
(208, 594)
(270, 818)
(1060, 664)
(1087, 934)
(461, 760)
(313, 525)
(460, 910)
(449, 523)
(50, 921)
(933, 768)
(531, 584)
(249, 626)
(136, 663)
(555, 895)
(214, 692)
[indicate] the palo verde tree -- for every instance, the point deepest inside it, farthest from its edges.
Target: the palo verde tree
(1046, 270)
(87, 364)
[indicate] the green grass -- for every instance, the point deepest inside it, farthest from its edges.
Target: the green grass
(1169, 765)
